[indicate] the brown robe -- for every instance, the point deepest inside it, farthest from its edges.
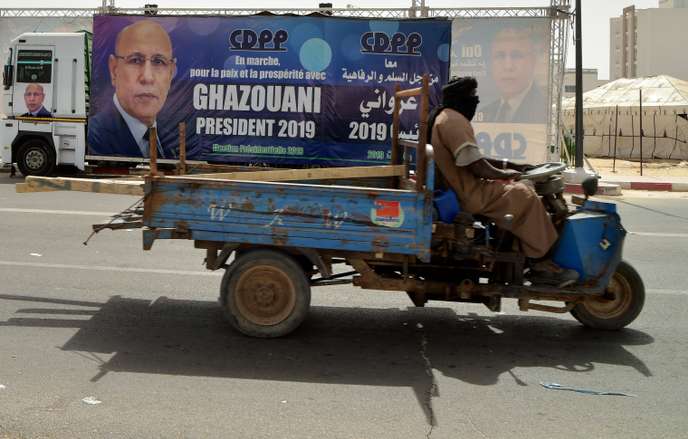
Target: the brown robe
(455, 148)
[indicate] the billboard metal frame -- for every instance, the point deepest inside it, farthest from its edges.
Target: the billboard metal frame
(558, 45)
(558, 12)
(412, 12)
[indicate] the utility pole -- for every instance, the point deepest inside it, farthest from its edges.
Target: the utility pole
(579, 87)
(578, 174)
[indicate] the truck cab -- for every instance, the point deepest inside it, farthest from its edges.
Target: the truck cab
(45, 101)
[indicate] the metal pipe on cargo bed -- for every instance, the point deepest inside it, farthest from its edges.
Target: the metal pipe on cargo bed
(421, 161)
(153, 148)
(395, 134)
(181, 166)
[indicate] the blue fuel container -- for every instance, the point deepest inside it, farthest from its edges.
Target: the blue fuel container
(446, 205)
(589, 242)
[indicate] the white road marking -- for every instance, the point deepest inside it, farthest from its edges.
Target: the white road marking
(55, 212)
(666, 291)
(660, 235)
(106, 268)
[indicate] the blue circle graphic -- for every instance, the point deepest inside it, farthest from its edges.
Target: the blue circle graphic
(389, 27)
(443, 52)
(315, 55)
(302, 33)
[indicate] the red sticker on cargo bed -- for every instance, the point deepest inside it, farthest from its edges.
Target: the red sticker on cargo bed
(387, 213)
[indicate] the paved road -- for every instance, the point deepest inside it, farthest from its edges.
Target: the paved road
(141, 332)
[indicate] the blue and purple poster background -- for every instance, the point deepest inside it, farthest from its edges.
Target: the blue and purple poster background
(285, 90)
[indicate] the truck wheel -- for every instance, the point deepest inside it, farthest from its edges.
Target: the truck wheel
(621, 304)
(35, 157)
(265, 293)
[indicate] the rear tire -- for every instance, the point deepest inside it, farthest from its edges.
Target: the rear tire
(623, 301)
(35, 157)
(265, 293)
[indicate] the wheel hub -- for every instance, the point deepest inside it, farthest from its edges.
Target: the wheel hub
(614, 302)
(34, 159)
(265, 295)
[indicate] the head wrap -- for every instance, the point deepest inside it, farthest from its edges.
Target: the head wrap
(457, 94)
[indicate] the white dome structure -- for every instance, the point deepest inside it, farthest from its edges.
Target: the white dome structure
(612, 119)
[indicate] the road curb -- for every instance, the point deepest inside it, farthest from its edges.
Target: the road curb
(651, 186)
(603, 188)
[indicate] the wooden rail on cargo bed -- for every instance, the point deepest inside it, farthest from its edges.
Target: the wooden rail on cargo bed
(400, 147)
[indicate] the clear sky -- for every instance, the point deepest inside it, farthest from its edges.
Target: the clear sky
(596, 14)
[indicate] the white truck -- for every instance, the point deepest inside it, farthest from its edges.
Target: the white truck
(45, 100)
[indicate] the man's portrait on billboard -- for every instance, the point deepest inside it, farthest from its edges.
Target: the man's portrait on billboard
(513, 59)
(141, 71)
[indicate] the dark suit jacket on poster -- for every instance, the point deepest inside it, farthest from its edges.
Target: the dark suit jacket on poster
(109, 135)
(41, 113)
(533, 109)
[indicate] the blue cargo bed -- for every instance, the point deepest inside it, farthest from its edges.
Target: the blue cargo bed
(330, 217)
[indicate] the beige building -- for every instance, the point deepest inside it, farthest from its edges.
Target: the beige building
(673, 3)
(650, 42)
(590, 80)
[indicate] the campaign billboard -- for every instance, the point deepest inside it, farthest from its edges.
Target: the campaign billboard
(260, 89)
(510, 59)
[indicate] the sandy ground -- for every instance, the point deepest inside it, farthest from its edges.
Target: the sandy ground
(654, 168)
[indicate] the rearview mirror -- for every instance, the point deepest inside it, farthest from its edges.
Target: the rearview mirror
(589, 186)
(7, 76)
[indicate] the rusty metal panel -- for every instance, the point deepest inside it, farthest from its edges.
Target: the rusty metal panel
(295, 215)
